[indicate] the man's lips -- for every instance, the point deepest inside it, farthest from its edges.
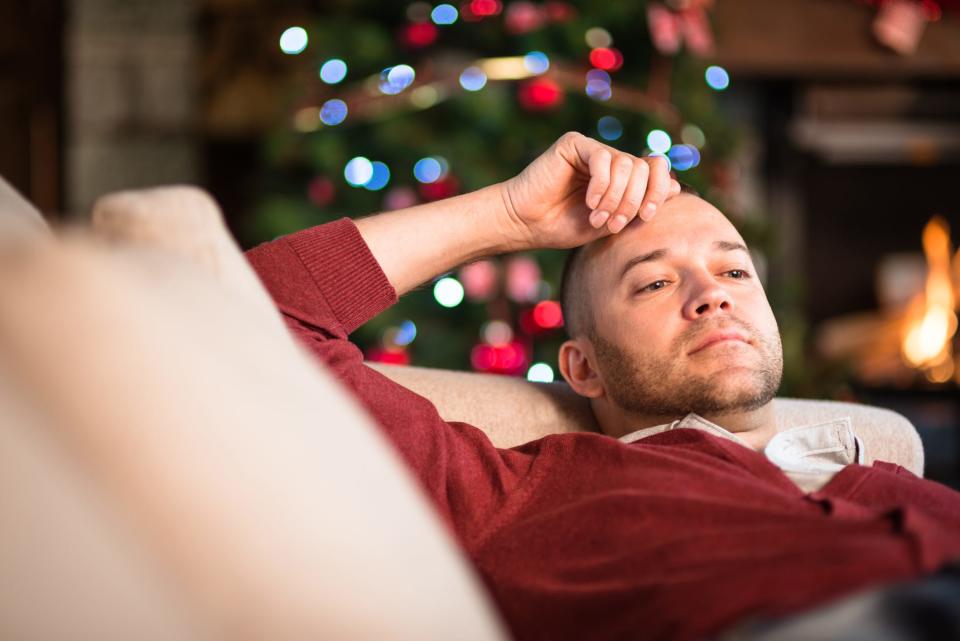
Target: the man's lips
(718, 337)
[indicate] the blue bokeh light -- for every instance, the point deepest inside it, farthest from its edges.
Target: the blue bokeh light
(294, 40)
(684, 157)
(333, 112)
(379, 176)
(717, 77)
(609, 128)
(598, 85)
(473, 79)
(536, 62)
(428, 170)
(333, 71)
(658, 141)
(408, 332)
(358, 171)
(444, 14)
(448, 292)
(393, 80)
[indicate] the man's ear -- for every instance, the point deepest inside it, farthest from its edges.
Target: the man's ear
(578, 370)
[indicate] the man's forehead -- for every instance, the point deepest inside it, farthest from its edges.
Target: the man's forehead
(684, 222)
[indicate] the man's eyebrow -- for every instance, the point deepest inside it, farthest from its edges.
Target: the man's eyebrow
(657, 254)
(729, 246)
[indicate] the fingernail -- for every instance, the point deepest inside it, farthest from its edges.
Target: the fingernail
(617, 224)
(648, 211)
(593, 201)
(599, 217)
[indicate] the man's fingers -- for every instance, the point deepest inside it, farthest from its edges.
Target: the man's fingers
(675, 188)
(632, 196)
(658, 186)
(621, 168)
(599, 163)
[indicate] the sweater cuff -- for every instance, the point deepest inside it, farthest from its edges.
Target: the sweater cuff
(345, 271)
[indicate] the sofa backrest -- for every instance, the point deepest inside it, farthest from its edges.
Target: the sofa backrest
(513, 411)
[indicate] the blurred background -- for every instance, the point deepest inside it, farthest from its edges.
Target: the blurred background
(827, 130)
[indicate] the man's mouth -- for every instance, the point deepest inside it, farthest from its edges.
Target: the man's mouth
(719, 337)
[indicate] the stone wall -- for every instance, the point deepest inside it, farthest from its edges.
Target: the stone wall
(131, 96)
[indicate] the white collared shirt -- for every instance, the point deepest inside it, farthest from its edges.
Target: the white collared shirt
(809, 454)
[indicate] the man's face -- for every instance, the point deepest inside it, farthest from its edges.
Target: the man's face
(682, 321)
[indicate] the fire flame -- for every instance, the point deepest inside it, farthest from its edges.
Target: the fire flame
(931, 320)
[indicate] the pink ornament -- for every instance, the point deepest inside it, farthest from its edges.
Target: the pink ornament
(400, 198)
(523, 17)
(321, 191)
(479, 280)
(523, 279)
(900, 24)
(696, 32)
(664, 29)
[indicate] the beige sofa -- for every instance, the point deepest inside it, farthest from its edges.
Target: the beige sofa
(169, 453)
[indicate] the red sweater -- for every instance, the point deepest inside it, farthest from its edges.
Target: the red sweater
(580, 536)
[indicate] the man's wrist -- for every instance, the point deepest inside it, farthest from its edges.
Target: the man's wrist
(513, 233)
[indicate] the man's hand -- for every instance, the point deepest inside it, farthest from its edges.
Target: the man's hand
(580, 190)
(557, 201)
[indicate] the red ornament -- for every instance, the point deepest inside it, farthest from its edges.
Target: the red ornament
(606, 58)
(443, 188)
(419, 34)
(540, 94)
(321, 191)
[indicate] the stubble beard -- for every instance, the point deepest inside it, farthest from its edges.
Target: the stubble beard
(647, 386)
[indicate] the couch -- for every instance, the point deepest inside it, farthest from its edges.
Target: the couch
(176, 467)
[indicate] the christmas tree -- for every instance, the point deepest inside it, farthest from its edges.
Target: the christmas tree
(393, 105)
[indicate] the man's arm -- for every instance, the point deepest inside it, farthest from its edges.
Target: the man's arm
(575, 192)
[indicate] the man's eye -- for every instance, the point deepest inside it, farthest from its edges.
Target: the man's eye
(654, 286)
(738, 274)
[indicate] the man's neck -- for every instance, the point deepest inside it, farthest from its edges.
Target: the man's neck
(755, 427)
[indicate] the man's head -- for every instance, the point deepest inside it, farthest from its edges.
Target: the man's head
(668, 317)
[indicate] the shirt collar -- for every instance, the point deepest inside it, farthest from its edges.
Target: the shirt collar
(808, 454)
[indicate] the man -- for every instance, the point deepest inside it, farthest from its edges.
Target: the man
(685, 526)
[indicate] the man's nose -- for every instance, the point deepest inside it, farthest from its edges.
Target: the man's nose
(708, 297)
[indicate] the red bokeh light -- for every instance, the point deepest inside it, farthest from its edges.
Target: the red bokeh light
(391, 357)
(605, 58)
(443, 188)
(547, 314)
(485, 8)
(321, 191)
(503, 359)
(540, 94)
(420, 34)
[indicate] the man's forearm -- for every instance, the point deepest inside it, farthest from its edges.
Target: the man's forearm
(415, 244)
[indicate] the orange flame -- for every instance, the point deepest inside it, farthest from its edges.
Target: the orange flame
(931, 320)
